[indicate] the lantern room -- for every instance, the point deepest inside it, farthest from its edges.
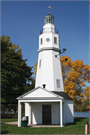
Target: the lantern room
(49, 19)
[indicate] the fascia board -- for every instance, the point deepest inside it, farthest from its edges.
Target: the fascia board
(70, 101)
(27, 93)
(35, 98)
(40, 99)
(27, 101)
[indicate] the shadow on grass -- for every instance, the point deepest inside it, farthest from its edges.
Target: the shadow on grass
(4, 132)
(77, 119)
(6, 118)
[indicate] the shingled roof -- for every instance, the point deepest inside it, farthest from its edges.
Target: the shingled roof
(63, 94)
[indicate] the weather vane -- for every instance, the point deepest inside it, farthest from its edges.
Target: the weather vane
(49, 7)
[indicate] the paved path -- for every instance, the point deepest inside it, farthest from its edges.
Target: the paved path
(11, 123)
(38, 126)
(31, 125)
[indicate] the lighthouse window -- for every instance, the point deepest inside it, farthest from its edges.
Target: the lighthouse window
(41, 40)
(58, 83)
(55, 40)
(40, 63)
(49, 19)
(52, 20)
(46, 20)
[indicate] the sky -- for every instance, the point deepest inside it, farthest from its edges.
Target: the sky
(23, 20)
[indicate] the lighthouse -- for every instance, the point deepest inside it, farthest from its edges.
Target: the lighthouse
(47, 103)
(49, 73)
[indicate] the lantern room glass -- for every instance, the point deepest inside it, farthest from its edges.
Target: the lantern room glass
(49, 19)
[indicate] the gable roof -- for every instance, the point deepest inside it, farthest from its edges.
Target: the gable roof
(41, 93)
(63, 94)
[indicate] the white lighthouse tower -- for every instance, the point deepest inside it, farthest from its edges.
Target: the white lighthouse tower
(49, 74)
(47, 103)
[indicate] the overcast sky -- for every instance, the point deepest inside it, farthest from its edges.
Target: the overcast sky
(23, 20)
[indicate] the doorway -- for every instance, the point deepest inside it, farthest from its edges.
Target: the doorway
(46, 114)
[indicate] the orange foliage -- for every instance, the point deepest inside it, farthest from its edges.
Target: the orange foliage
(86, 94)
(75, 74)
(88, 107)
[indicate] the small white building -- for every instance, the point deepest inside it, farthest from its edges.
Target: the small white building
(48, 103)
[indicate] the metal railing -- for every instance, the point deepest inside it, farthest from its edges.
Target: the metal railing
(52, 30)
(56, 31)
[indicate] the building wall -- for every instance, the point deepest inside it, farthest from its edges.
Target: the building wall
(39, 71)
(69, 112)
(28, 111)
(50, 35)
(57, 71)
(49, 71)
(36, 110)
(56, 113)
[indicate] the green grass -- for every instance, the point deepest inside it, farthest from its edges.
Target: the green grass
(9, 119)
(78, 127)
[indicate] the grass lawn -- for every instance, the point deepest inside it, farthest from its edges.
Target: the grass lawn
(9, 119)
(78, 127)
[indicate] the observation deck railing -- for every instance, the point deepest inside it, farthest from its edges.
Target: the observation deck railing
(49, 30)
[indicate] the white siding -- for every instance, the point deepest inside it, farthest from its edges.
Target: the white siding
(49, 71)
(57, 72)
(69, 112)
(56, 113)
(27, 110)
(37, 112)
(39, 72)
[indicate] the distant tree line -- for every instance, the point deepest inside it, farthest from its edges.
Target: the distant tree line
(83, 107)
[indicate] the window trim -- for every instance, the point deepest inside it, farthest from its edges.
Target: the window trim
(58, 81)
(55, 40)
(41, 41)
(40, 63)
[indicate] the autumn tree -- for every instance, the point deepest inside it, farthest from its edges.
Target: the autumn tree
(75, 74)
(15, 74)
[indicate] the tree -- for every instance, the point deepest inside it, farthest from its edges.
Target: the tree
(6, 39)
(30, 86)
(86, 94)
(86, 97)
(75, 74)
(15, 73)
(83, 107)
